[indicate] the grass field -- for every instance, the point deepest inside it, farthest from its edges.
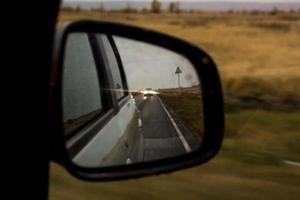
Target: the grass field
(258, 57)
(188, 107)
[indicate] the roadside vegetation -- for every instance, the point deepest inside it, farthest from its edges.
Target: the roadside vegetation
(258, 56)
(187, 106)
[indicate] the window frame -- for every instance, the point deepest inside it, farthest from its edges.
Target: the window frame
(102, 109)
(126, 97)
(117, 102)
(110, 104)
(83, 135)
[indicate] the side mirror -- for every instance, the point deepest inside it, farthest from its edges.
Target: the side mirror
(127, 102)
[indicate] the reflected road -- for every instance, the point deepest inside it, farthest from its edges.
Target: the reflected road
(165, 135)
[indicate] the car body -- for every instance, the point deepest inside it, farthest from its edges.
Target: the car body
(89, 101)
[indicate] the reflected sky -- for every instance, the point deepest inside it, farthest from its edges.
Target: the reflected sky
(149, 66)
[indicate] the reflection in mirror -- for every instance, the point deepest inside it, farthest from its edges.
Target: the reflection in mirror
(81, 93)
(127, 101)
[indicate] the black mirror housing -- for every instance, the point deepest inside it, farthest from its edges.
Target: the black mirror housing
(212, 103)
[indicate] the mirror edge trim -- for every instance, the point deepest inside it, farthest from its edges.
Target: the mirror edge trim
(212, 95)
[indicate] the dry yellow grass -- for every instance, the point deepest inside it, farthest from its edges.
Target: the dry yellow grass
(264, 47)
(258, 57)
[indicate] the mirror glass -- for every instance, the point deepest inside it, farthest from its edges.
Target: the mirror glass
(126, 101)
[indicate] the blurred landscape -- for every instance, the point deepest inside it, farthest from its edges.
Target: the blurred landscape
(187, 5)
(258, 57)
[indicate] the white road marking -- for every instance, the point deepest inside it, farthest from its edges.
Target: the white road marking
(181, 137)
(292, 163)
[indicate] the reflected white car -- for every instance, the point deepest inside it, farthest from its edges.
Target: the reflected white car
(148, 92)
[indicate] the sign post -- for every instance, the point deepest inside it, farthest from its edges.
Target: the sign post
(178, 72)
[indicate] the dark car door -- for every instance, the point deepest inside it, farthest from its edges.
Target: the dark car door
(100, 117)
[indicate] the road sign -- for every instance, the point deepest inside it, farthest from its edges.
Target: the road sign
(178, 70)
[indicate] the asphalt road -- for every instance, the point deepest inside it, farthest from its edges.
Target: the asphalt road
(164, 134)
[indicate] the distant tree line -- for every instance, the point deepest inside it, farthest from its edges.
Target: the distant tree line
(274, 11)
(155, 7)
(173, 7)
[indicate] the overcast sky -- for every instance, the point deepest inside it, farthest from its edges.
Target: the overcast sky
(149, 66)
